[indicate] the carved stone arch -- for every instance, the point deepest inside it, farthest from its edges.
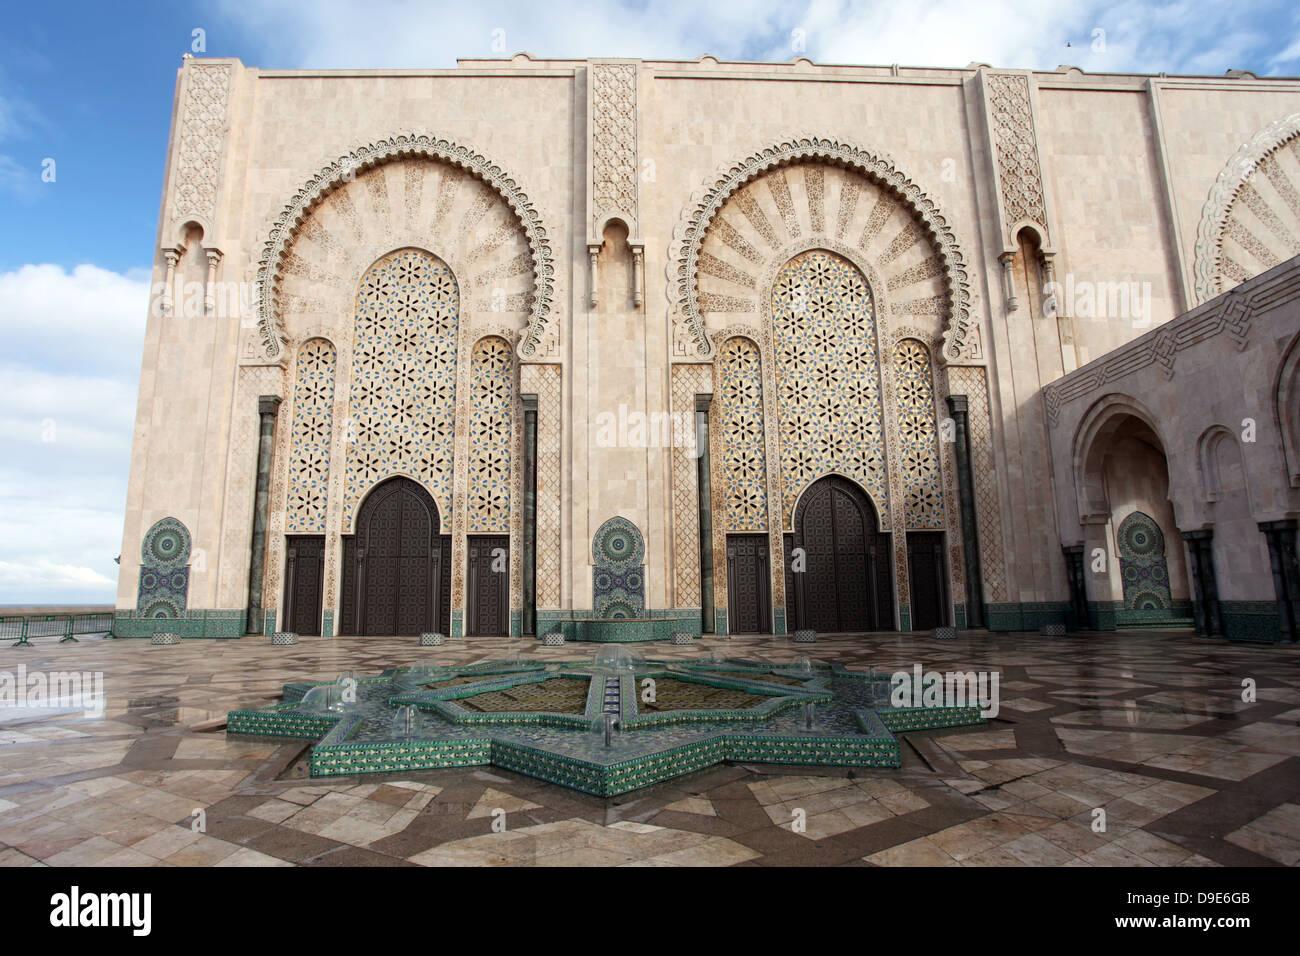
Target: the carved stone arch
(367, 494)
(1286, 409)
(685, 253)
(882, 526)
(346, 168)
(1250, 222)
(1092, 440)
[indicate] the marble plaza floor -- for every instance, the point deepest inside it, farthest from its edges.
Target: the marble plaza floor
(1149, 726)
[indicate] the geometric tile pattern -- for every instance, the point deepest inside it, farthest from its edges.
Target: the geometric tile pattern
(403, 398)
(164, 570)
(688, 381)
(544, 381)
(490, 435)
(618, 574)
(313, 431)
(917, 438)
(828, 377)
(744, 460)
(1142, 564)
(970, 381)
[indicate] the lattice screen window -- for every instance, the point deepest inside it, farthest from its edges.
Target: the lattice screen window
(828, 377)
(490, 435)
(313, 429)
(744, 459)
(403, 396)
(918, 440)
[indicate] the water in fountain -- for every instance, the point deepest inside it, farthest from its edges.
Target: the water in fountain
(804, 664)
(616, 660)
(809, 716)
(603, 731)
(403, 724)
(326, 697)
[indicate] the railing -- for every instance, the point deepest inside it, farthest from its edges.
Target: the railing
(22, 628)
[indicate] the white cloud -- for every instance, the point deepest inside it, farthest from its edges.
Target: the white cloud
(1142, 36)
(71, 344)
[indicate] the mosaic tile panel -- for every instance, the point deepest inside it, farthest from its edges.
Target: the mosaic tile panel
(313, 428)
(164, 570)
(1142, 564)
(491, 435)
(744, 459)
(918, 439)
(403, 392)
(618, 574)
(828, 377)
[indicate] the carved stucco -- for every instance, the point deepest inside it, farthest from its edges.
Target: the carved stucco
(1251, 219)
(537, 303)
(890, 190)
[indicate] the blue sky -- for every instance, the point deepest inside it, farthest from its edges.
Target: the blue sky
(90, 86)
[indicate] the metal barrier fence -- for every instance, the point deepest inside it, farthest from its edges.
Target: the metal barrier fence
(21, 629)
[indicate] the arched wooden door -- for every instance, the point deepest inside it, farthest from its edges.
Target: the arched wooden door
(847, 582)
(394, 562)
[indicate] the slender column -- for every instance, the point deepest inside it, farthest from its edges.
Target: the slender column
(707, 622)
(530, 514)
(638, 275)
(172, 257)
(210, 288)
(1008, 280)
(593, 253)
(267, 407)
(958, 407)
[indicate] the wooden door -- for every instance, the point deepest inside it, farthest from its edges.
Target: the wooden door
(303, 584)
(925, 567)
(489, 586)
(749, 584)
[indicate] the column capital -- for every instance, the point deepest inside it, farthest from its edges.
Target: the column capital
(268, 404)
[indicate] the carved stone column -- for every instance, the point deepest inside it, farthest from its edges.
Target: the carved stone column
(958, 407)
(210, 287)
(267, 407)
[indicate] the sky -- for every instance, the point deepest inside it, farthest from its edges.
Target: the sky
(86, 95)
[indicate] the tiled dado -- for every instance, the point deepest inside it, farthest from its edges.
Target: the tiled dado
(1025, 616)
(190, 624)
(657, 625)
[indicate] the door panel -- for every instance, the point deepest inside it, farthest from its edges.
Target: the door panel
(749, 584)
(392, 565)
(304, 583)
(847, 584)
(489, 587)
(926, 572)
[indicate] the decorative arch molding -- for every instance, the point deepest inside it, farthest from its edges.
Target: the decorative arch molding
(1228, 188)
(705, 204)
(800, 499)
(1286, 409)
(384, 150)
(1091, 442)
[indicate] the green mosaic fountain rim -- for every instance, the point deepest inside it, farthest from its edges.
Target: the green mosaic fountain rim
(855, 724)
